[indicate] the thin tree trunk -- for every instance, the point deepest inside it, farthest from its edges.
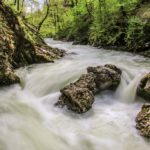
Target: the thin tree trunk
(22, 4)
(45, 17)
(18, 5)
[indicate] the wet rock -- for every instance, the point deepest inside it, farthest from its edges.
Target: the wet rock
(76, 98)
(113, 67)
(143, 121)
(79, 96)
(7, 75)
(143, 89)
(87, 81)
(107, 77)
(8, 79)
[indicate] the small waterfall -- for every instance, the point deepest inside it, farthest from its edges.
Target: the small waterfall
(126, 78)
(128, 87)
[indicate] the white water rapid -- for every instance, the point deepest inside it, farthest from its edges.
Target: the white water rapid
(29, 121)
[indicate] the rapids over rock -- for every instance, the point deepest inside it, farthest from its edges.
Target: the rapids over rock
(30, 121)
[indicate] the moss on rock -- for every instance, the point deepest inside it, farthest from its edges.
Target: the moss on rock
(143, 89)
(143, 121)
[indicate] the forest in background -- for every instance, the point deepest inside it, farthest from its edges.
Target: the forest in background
(117, 24)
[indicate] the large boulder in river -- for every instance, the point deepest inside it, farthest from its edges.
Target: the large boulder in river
(79, 96)
(143, 121)
(143, 89)
(107, 77)
(76, 98)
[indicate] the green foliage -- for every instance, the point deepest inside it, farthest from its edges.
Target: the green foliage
(105, 23)
(98, 22)
(54, 20)
(135, 33)
(77, 23)
(28, 34)
(110, 22)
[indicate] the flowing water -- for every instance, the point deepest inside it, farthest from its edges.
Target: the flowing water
(29, 120)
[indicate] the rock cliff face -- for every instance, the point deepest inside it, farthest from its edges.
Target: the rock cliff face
(18, 47)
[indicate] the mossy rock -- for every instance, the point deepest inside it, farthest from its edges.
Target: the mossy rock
(143, 89)
(143, 121)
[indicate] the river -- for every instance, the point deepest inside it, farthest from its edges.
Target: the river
(29, 120)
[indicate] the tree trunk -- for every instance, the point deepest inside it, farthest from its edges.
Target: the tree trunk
(45, 17)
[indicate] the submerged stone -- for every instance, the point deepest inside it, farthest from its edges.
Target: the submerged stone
(143, 121)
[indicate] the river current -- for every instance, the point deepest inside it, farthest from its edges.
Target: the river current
(29, 120)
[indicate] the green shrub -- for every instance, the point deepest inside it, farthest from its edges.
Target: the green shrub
(135, 33)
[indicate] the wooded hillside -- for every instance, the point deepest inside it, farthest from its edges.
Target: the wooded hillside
(122, 25)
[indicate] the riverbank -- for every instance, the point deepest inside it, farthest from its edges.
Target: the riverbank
(20, 46)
